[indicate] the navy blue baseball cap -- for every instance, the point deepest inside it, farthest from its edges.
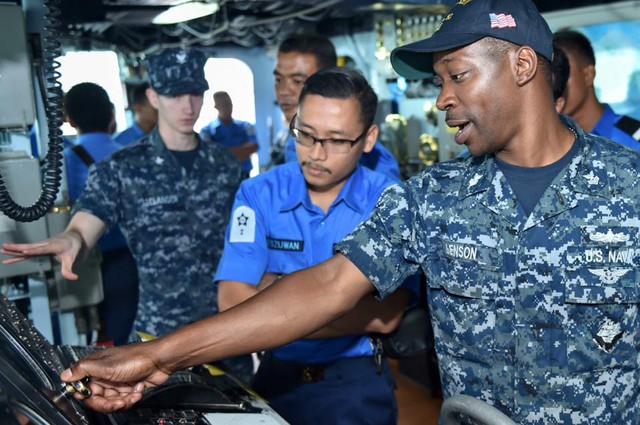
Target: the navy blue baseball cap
(177, 71)
(516, 21)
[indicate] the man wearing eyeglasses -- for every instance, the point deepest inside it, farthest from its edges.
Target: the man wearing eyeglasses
(300, 56)
(288, 219)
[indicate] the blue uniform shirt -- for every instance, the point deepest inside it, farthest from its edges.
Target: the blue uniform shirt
(276, 229)
(99, 146)
(606, 127)
(380, 159)
(536, 314)
(235, 134)
(130, 135)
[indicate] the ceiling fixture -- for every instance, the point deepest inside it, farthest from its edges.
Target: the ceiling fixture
(186, 12)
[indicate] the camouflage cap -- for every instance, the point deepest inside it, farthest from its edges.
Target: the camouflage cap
(177, 71)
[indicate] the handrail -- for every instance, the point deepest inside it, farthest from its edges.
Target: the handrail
(473, 408)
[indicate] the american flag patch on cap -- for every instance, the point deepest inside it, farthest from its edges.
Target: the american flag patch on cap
(502, 21)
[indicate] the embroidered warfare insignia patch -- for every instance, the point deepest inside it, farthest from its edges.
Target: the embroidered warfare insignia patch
(609, 237)
(608, 275)
(608, 335)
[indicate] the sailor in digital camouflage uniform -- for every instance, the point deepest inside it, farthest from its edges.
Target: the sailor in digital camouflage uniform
(535, 307)
(172, 204)
(171, 195)
(530, 245)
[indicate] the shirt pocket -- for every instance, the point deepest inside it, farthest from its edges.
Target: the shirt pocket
(601, 298)
(463, 284)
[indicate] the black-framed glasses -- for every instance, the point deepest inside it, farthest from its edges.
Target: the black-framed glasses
(339, 146)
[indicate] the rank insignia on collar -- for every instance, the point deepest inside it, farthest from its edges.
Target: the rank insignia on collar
(475, 179)
(591, 178)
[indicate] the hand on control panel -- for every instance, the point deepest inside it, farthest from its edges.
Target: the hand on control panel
(118, 376)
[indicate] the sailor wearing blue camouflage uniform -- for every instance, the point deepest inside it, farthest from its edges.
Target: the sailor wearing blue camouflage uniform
(534, 304)
(173, 216)
(174, 221)
(171, 195)
(538, 314)
(283, 225)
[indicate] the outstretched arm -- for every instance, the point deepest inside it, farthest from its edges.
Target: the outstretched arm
(75, 242)
(298, 305)
(369, 315)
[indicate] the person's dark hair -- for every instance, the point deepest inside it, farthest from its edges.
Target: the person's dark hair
(311, 44)
(497, 48)
(560, 70)
(343, 83)
(221, 94)
(577, 43)
(139, 94)
(88, 105)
